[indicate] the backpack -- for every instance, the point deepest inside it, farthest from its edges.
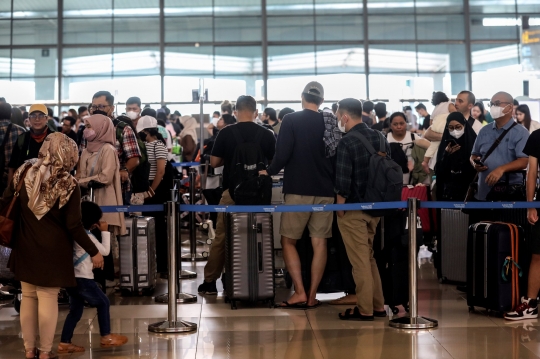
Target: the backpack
(246, 187)
(385, 177)
(141, 173)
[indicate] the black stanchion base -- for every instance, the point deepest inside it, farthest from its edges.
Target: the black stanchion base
(186, 257)
(172, 327)
(181, 298)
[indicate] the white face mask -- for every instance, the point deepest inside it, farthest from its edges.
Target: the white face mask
(215, 121)
(496, 112)
(85, 117)
(341, 127)
(457, 134)
(132, 115)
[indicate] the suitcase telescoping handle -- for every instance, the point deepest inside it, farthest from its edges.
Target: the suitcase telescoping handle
(257, 227)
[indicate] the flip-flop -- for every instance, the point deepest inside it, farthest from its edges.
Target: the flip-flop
(297, 306)
(316, 305)
(354, 314)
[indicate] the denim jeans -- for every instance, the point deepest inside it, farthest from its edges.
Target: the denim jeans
(87, 290)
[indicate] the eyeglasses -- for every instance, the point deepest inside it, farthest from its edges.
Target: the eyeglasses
(457, 128)
(497, 103)
(36, 116)
(98, 107)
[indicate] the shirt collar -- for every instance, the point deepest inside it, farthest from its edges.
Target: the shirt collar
(359, 126)
(505, 127)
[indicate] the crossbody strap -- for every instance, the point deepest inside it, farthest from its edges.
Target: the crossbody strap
(17, 191)
(498, 142)
(367, 144)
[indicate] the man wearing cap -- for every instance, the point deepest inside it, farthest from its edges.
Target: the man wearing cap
(308, 180)
(29, 143)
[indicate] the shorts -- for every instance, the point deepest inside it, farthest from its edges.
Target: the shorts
(318, 223)
(534, 240)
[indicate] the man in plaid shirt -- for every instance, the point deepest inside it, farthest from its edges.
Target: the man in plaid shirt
(8, 143)
(358, 227)
(128, 151)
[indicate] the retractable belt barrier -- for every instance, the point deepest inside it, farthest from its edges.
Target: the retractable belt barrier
(323, 208)
(185, 164)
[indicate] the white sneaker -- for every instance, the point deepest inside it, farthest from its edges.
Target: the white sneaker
(528, 309)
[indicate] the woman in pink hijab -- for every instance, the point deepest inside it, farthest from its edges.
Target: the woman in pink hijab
(99, 168)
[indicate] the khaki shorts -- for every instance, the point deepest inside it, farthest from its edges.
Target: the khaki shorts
(318, 223)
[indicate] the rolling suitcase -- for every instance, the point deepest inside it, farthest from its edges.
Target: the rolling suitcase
(249, 258)
(138, 272)
(393, 261)
(492, 274)
(453, 243)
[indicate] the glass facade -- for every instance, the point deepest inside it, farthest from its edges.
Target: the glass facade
(62, 51)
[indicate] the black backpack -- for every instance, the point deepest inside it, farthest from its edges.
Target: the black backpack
(246, 187)
(385, 177)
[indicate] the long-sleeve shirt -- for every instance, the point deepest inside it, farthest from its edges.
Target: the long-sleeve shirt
(84, 268)
(300, 149)
(352, 164)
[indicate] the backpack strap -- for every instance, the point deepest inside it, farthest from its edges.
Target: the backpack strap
(366, 143)
(237, 136)
(119, 131)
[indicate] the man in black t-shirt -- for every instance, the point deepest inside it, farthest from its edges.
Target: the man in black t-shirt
(366, 113)
(528, 309)
(222, 155)
(422, 111)
(29, 143)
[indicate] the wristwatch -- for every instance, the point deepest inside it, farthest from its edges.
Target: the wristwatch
(124, 169)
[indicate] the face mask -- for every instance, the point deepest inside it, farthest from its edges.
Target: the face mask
(85, 117)
(142, 136)
(132, 115)
(496, 112)
(341, 127)
(99, 112)
(89, 134)
(457, 134)
(215, 121)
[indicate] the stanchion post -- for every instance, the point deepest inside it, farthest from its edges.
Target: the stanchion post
(413, 321)
(172, 324)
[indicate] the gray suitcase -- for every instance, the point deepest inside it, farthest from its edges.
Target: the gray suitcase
(454, 233)
(138, 272)
(249, 258)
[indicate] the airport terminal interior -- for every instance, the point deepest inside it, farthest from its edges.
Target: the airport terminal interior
(170, 52)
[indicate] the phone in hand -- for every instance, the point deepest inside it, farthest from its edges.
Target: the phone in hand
(452, 142)
(478, 163)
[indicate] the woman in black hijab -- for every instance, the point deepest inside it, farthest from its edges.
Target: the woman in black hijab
(454, 171)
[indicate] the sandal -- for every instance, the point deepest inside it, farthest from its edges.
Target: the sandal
(69, 348)
(354, 314)
(316, 305)
(297, 306)
(31, 354)
(113, 340)
(47, 355)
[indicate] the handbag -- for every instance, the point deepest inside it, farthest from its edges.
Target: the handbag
(473, 187)
(503, 191)
(8, 218)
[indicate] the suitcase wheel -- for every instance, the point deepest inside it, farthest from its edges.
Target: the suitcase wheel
(233, 305)
(395, 310)
(443, 280)
(471, 309)
(125, 293)
(227, 299)
(270, 303)
(406, 307)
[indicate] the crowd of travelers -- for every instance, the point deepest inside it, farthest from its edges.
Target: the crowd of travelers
(115, 159)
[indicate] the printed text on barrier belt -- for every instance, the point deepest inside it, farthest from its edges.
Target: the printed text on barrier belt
(293, 208)
(478, 205)
(142, 208)
(185, 164)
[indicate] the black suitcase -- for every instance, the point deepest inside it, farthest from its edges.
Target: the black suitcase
(489, 245)
(393, 261)
(337, 276)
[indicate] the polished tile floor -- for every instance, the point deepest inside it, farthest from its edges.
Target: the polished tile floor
(254, 332)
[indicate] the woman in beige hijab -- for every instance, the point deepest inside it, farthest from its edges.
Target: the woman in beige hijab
(188, 137)
(49, 222)
(99, 167)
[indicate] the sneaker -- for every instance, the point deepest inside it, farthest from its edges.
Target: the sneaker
(528, 309)
(208, 288)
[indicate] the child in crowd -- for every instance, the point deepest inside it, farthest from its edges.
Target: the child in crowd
(87, 290)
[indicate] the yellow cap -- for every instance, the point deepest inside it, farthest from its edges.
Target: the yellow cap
(39, 107)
